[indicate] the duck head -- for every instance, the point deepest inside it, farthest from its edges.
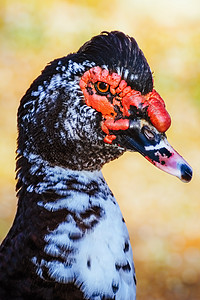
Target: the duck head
(91, 106)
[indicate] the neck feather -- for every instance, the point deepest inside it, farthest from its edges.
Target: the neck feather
(80, 230)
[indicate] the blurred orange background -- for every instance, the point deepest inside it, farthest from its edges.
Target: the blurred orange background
(161, 212)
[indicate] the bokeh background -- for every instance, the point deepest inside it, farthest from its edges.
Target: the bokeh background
(162, 213)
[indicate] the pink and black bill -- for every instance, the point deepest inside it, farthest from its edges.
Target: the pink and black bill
(154, 146)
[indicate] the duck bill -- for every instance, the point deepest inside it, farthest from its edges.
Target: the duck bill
(153, 145)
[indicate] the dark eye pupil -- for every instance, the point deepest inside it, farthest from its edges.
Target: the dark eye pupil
(103, 86)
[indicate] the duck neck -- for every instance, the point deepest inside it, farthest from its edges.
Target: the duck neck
(54, 188)
(77, 229)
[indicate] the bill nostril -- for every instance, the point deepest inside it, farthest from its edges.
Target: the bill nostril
(148, 133)
(186, 173)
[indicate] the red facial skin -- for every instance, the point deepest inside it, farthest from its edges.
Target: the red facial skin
(124, 98)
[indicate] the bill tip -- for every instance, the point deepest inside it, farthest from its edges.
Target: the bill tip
(186, 173)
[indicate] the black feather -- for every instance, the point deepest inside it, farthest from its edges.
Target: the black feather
(119, 51)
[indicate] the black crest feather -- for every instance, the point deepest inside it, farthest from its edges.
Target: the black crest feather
(119, 51)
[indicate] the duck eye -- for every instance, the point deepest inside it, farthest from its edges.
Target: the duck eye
(102, 87)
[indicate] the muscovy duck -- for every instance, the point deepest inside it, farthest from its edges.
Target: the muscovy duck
(69, 239)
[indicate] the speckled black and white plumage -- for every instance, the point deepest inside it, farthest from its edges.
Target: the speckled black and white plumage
(69, 239)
